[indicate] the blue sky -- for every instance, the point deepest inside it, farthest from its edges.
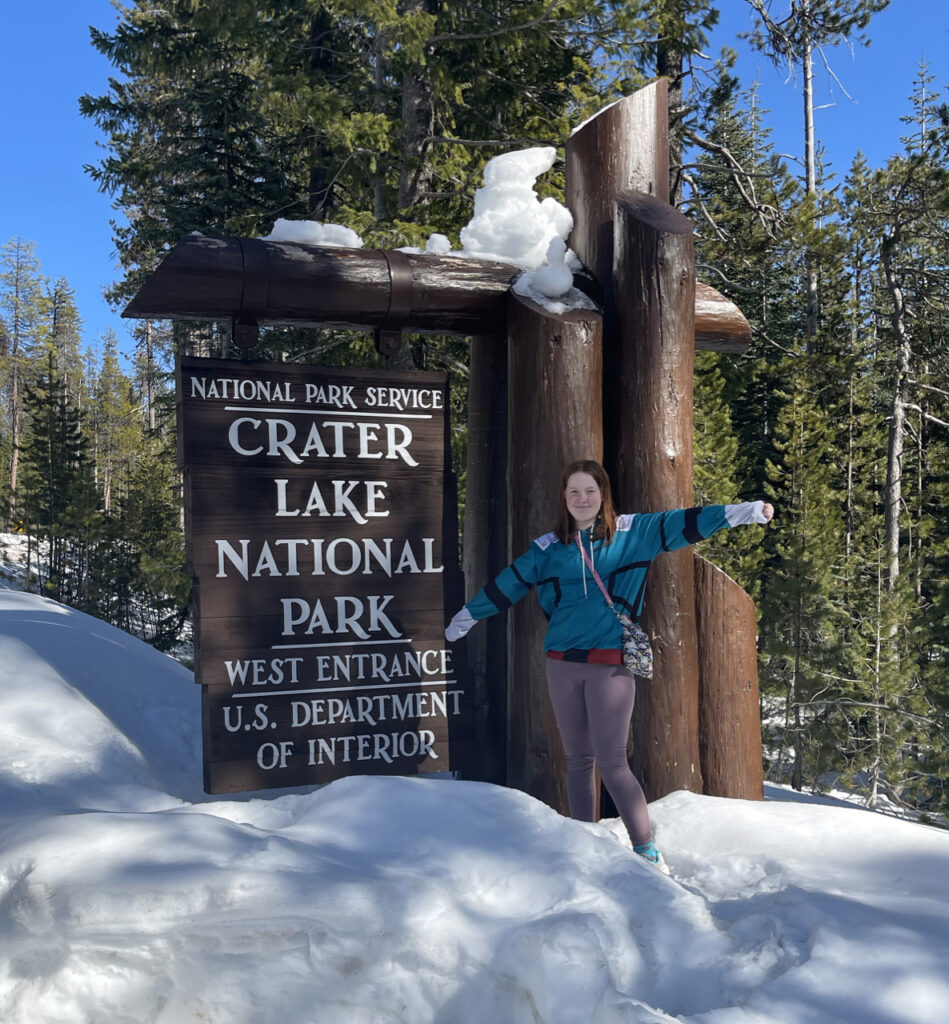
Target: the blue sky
(48, 63)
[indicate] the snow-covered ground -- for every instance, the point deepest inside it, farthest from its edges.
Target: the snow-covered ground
(128, 896)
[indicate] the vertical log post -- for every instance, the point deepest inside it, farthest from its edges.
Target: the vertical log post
(485, 552)
(624, 148)
(654, 288)
(555, 416)
(730, 718)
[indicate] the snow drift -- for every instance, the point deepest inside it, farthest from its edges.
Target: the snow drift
(128, 896)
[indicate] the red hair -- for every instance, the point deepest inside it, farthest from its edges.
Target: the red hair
(605, 526)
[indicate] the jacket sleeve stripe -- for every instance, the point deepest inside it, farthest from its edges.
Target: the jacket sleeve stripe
(690, 529)
(496, 596)
(662, 532)
(520, 578)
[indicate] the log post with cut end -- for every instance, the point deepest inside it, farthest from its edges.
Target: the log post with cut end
(555, 416)
(654, 287)
(730, 717)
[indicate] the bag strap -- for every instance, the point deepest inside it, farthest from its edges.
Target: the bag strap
(596, 575)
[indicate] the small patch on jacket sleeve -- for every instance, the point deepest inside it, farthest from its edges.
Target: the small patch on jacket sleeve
(625, 521)
(544, 542)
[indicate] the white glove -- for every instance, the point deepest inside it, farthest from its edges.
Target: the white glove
(460, 625)
(748, 512)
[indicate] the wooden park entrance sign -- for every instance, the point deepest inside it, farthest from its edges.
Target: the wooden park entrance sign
(544, 389)
(316, 534)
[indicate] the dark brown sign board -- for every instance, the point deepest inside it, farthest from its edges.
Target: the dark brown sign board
(321, 533)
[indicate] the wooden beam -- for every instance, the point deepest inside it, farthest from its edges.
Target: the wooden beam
(288, 283)
(209, 279)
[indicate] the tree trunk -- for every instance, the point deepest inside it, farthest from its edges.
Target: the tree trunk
(897, 434)
(379, 106)
(418, 126)
(320, 191)
(669, 65)
(810, 170)
(150, 376)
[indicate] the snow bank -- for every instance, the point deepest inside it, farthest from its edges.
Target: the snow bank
(128, 896)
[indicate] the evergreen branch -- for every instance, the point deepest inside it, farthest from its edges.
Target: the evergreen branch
(453, 37)
(319, 350)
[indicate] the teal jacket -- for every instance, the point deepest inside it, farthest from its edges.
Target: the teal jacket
(579, 619)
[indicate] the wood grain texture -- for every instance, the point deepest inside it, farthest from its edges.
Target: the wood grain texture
(654, 285)
(292, 284)
(555, 416)
(730, 715)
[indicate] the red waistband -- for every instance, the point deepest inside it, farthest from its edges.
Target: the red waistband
(597, 656)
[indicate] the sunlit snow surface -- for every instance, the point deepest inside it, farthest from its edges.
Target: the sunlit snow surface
(128, 896)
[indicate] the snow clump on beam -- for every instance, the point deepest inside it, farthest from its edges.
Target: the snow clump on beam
(311, 232)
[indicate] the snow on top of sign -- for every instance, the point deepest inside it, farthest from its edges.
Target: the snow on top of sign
(510, 223)
(437, 245)
(551, 285)
(311, 232)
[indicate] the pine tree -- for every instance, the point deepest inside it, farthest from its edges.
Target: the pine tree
(59, 499)
(792, 41)
(800, 622)
(22, 306)
(115, 423)
(143, 585)
(63, 336)
(377, 115)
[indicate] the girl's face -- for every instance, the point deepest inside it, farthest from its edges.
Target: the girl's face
(583, 499)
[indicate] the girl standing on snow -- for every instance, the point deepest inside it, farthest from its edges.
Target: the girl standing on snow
(591, 691)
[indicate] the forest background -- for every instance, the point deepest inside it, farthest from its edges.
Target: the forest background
(380, 116)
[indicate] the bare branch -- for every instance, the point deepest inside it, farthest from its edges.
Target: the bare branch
(731, 284)
(761, 334)
(847, 702)
(490, 142)
(704, 210)
(928, 387)
(768, 215)
(926, 416)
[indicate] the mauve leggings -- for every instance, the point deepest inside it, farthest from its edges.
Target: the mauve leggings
(593, 705)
